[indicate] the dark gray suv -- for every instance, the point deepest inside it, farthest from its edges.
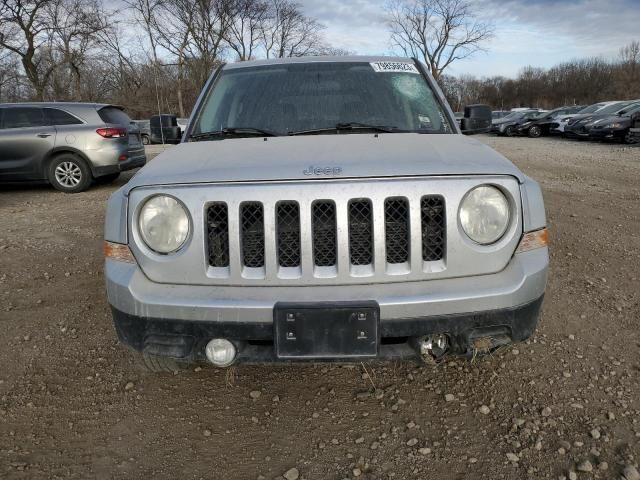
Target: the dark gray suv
(68, 145)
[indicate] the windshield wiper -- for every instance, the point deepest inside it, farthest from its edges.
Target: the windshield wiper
(351, 126)
(233, 131)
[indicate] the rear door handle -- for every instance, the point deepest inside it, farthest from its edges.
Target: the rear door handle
(43, 135)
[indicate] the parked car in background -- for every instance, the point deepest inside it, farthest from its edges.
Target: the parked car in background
(539, 124)
(182, 123)
(145, 130)
(325, 209)
(615, 127)
(635, 128)
(506, 125)
(67, 144)
(165, 129)
(578, 126)
(561, 121)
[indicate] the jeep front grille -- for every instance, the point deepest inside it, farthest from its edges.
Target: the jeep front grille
(324, 233)
(218, 234)
(288, 234)
(252, 234)
(287, 231)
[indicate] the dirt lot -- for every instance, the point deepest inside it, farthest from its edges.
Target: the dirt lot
(74, 404)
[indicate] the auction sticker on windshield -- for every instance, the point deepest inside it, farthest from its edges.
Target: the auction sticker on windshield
(394, 67)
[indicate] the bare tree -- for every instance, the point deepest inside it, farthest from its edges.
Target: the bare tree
(439, 32)
(24, 29)
(247, 28)
(290, 33)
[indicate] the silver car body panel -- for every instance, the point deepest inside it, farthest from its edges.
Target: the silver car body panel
(521, 281)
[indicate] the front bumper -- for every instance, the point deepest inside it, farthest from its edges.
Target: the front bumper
(177, 320)
(608, 133)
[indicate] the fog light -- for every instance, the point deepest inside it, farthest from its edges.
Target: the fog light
(220, 352)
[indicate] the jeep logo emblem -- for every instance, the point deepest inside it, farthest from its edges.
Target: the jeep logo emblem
(322, 171)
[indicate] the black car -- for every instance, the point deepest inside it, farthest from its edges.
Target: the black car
(538, 125)
(506, 125)
(634, 132)
(578, 127)
(145, 130)
(165, 129)
(616, 127)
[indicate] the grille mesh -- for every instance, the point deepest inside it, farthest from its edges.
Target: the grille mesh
(288, 231)
(360, 232)
(252, 222)
(396, 221)
(324, 234)
(433, 228)
(218, 234)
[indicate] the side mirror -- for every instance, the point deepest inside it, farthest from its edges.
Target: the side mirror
(477, 119)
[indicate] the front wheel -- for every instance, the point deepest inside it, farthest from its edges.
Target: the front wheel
(630, 139)
(69, 173)
(160, 364)
(535, 131)
(146, 140)
(108, 178)
(508, 132)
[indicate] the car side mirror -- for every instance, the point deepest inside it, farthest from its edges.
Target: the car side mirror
(477, 119)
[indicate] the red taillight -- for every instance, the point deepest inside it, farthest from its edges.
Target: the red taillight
(112, 132)
(122, 158)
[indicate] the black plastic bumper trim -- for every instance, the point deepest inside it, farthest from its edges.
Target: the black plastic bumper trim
(186, 339)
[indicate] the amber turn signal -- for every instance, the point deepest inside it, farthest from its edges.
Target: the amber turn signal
(118, 252)
(533, 240)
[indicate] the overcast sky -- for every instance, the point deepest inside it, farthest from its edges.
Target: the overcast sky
(528, 32)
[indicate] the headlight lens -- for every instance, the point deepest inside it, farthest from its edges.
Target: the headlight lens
(613, 125)
(484, 214)
(164, 224)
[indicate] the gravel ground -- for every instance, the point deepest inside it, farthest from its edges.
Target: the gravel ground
(75, 404)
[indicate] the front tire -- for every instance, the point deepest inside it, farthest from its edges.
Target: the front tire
(629, 139)
(146, 140)
(69, 173)
(108, 178)
(535, 132)
(508, 132)
(160, 364)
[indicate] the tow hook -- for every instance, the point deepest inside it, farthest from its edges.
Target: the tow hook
(433, 348)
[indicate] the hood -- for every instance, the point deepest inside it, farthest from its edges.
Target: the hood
(597, 122)
(356, 156)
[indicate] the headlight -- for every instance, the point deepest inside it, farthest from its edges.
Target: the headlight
(613, 125)
(484, 214)
(163, 224)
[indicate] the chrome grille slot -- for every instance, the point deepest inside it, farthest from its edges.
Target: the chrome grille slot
(218, 234)
(433, 218)
(324, 233)
(288, 234)
(360, 232)
(396, 221)
(252, 234)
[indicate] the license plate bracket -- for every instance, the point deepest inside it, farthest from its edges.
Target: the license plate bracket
(326, 330)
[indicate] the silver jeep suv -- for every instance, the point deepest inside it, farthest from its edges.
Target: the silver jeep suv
(67, 144)
(325, 209)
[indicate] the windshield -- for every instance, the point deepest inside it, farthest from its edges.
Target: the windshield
(633, 108)
(293, 98)
(514, 116)
(615, 108)
(592, 108)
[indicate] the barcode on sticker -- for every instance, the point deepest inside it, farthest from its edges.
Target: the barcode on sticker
(394, 67)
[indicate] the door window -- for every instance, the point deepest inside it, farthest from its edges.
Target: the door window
(23, 117)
